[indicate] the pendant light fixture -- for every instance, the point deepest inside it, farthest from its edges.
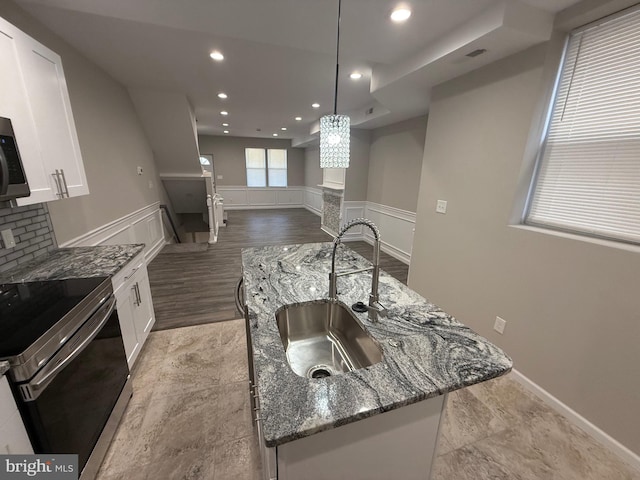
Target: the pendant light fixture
(334, 129)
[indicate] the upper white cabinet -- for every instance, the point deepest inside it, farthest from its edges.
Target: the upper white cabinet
(40, 111)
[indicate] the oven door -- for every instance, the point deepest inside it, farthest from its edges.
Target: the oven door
(66, 405)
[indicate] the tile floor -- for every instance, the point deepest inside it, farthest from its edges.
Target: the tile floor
(190, 419)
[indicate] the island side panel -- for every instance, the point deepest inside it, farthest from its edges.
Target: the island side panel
(396, 444)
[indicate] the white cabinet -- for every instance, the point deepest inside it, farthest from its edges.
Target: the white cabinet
(40, 111)
(13, 436)
(135, 306)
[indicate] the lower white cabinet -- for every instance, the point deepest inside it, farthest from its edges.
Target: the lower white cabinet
(135, 306)
(13, 436)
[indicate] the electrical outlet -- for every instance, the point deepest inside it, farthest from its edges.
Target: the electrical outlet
(219, 177)
(139, 170)
(499, 325)
(7, 238)
(441, 206)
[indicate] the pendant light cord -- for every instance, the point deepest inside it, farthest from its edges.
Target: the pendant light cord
(335, 95)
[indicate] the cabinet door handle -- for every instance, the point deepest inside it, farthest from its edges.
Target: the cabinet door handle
(64, 182)
(56, 178)
(138, 294)
(135, 295)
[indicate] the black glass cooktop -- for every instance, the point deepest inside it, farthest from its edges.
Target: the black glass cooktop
(28, 310)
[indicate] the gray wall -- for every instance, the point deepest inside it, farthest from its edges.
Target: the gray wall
(110, 135)
(229, 160)
(357, 176)
(358, 172)
(395, 162)
(312, 170)
(571, 306)
(32, 232)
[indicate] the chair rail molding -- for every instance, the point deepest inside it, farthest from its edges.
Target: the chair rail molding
(141, 226)
(248, 198)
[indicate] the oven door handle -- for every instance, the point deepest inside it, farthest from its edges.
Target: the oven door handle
(4, 173)
(34, 388)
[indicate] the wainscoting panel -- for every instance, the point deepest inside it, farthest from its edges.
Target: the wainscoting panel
(313, 200)
(396, 226)
(396, 229)
(247, 198)
(233, 196)
(261, 197)
(290, 197)
(142, 226)
(351, 211)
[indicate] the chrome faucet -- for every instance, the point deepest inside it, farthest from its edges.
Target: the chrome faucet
(374, 308)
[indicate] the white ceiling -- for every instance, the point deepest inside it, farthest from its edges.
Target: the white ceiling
(279, 54)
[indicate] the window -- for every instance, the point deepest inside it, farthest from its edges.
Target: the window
(588, 172)
(206, 163)
(266, 167)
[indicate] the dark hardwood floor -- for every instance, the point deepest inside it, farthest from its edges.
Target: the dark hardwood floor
(192, 286)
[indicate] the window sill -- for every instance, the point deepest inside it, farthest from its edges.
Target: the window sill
(581, 238)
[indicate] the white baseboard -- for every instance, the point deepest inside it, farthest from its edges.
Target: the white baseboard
(313, 210)
(141, 226)
(574, 417)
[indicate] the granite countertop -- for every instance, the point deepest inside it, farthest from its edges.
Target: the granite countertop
(74, 262)
(436, 353)
(4, 367)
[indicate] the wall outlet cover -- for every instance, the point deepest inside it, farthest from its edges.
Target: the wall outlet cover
(139, 169)
(441, 206)
(7, 238)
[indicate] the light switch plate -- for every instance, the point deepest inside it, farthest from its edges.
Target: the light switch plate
(219, 177)
(139, 170)
(7, 238)
(499, 325)
(441, 206)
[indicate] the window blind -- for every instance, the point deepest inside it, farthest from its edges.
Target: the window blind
(256, 163)
(277, 161)
(588, 178)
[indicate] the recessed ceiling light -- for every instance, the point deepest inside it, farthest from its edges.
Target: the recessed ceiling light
(275, 134)
(226, 131)
(224, 112)
(222, 95)
(355, 76)
(315, 105)
(216, 55)
(298, 119)
(400, 14)
(284, 129)
(225, 124)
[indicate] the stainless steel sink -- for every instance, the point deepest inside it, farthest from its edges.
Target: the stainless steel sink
(322, 338)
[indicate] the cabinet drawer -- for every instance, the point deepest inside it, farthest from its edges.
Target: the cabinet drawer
(127, 273)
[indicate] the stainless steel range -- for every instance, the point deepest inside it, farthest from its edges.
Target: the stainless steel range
(69, 370)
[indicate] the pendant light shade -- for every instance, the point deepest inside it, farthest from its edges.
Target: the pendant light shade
(335, 129)
(334, 141)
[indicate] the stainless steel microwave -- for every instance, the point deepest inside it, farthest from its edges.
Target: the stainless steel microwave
(13, 181)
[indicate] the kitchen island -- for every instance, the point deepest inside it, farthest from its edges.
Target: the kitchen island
(425, 354)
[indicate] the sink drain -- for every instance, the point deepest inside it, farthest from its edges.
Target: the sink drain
(319, 371)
